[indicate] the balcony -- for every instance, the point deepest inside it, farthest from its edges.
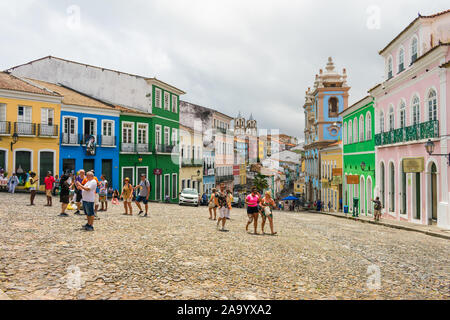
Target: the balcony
(45, 130)
(70, 138)
(162, 148)
(221, 130)
(107, 141)
(25, 128)
(135, 147)
(220, 179)
(421, 131)
(186, 163)
(5, 127)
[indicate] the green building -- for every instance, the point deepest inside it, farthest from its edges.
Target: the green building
(149, 142)
(359, 155)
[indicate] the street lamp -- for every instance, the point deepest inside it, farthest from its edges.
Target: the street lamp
(15, 138)
(363, 167)
(140, 159)
(429, 147)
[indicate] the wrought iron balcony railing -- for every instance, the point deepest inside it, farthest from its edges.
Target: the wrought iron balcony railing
(107, 141)
(5, 127)
(220, 179)
(162, 148)
(45, 130)
(25, 128)
(420, 131)
(192, 163)
(70, 138)
(135, 147)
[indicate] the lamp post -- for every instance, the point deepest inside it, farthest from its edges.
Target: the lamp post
(429, 147)
(363, 167)
(15, 138)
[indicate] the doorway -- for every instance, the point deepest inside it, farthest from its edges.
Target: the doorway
(433, 192)
(45, 165)
(88, 165)
(107, 170)
(68, 165)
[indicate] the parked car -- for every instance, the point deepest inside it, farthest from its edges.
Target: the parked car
(189, 196)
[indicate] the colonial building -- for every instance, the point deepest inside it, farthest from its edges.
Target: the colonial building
(191, 159)
(359, 155)
(411, 108)
(29, 128)
(331, 176)
(323, 104)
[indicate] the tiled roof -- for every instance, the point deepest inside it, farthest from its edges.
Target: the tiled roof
(10, 82)
(410, 25)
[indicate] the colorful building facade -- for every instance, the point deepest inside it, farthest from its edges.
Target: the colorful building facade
(29, 128)
(359, 156)
(411, 109)
(331, 176)
(191, 159)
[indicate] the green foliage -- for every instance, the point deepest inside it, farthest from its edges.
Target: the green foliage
(260, 182)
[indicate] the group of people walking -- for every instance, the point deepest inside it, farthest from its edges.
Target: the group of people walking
(221, 199)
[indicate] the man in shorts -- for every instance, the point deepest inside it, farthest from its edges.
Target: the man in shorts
(88, 190)
(49, 181)
(377, 208)
(224, 209)
(144, 192)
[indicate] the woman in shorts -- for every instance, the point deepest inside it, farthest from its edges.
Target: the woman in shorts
(252, 201)
(212, 205)
(267, 204)
(127, 196)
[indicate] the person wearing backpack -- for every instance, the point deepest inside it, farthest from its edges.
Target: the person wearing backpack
(144, 192)
(377, 208)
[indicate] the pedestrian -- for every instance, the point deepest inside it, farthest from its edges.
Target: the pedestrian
(103, 192)
(229, 202)
(13, 182)
(78, 193)
(115, 197)
(377, 208)
(267, 205)
(212, 205)
(56, 185)
(64, 194)
(144, 192)
(33, 181)
(127, 195)
(252, 201)
(96, 197)
(49, 181)
(88, 194)
(224, 209)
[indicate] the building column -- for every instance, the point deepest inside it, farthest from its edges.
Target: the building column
(443, 207)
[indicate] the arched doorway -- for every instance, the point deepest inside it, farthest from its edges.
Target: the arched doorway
(369, 196)
(403, 191)
(391, 188)
(362, 192)
(382, 184)
(433, 192)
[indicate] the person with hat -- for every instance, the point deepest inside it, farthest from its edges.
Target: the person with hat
(33, 180)
(127, 196)
(49, 181)
(144, 192)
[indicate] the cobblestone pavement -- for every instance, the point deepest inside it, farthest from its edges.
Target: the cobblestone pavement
(177, 253)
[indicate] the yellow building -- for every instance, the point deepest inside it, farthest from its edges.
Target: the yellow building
(29, 128)
(191, 159)
(331, 176)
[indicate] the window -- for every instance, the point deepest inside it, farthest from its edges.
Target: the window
(368, 126)
(344, 134)
(350, 132)
(2, 112)
(128, 172)
(333, 107)
(166, 136)
(402, 114)
(89, 127)
(355, 130)
(174, 136)
(401, 60)
(158, 98)
(166, 101)
(24, 114)
(3, 159)
(414, 49)
(70, 135)
(108, 133)
(381, 121)
(174, 186)
(157, 134)
(142, 137)
(158, 187)
(361, 128)
(391, 119)
(416, 110)
(47, 116)
(391, 187)
(46, 164)
(389, 68)
(127, 132)
(432, 105)
(174, 103)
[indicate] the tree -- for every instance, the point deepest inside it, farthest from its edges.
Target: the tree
(260, 182)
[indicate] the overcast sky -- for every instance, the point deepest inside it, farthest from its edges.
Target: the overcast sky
(254, 56)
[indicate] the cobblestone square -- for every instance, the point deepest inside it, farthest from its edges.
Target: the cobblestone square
(178, 253)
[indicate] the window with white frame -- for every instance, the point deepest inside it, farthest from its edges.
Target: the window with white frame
(69, 130)
(47, 116)
(381, 121)
(391, 119)
(127, 132)
(166, 100)
(108, 133)
(415, 110)
(402, 114)
(401, 60)
(432, 105)
(174, 185)
(361, 128)
(166, 136)
(157, 135)
(174, 136)
(2, 112)
(158, 100)
(174, 103)
(389, 68)
(414, 49)
(142, 133)
(345, 135)
(368, 126)
(24, 114)
(350, 132)
(355, 130)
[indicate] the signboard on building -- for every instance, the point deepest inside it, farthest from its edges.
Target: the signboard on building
(210, 172)
(352, 179)
(413, 165)
(337, 172)
(157, 172)
(236, 170)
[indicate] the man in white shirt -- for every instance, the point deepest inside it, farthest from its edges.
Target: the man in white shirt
(88, 195)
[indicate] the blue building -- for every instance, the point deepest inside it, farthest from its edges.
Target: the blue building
(89, 135)
(209, 178)
(323, 125)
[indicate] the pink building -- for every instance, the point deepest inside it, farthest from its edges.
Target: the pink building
(411, 109)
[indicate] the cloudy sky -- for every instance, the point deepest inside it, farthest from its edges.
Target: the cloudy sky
(254, 56)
